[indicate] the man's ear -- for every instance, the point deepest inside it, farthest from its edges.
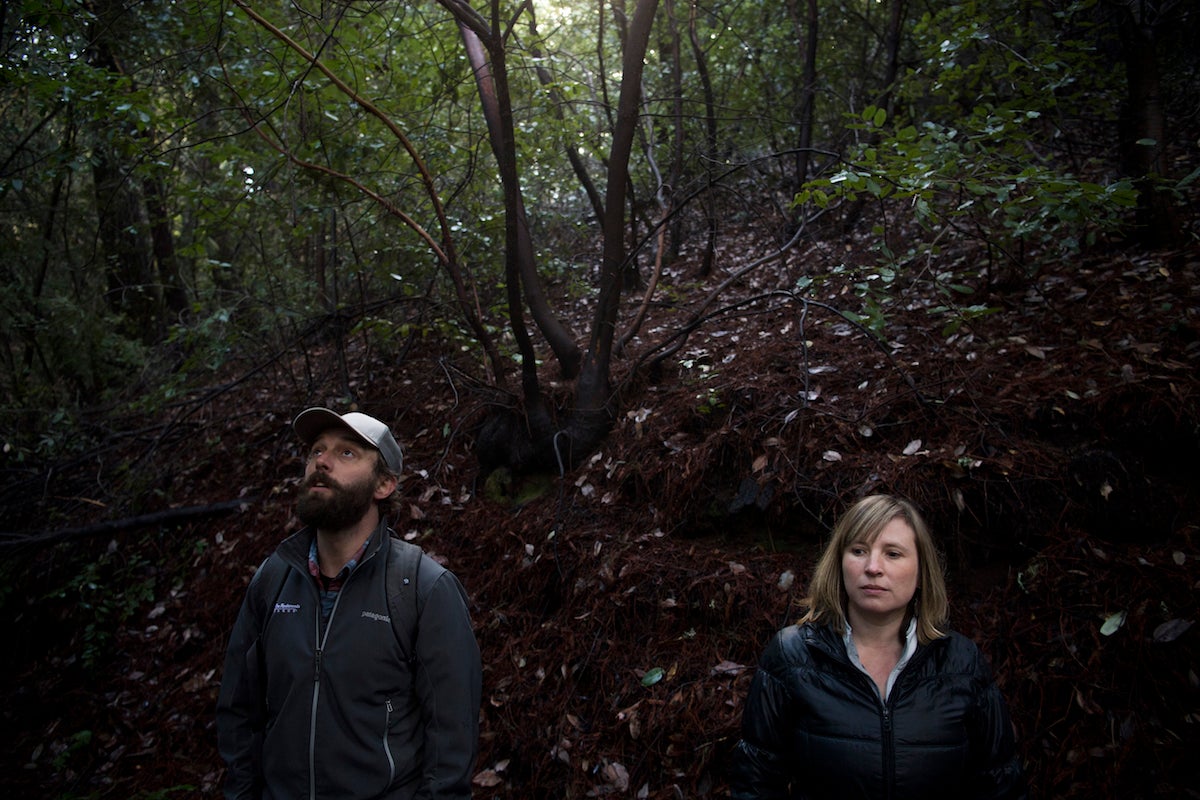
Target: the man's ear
(385, 486)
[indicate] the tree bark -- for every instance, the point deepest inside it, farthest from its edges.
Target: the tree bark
(123, 224)
(162, 240)
(1143, 120)
(613, 255)
(678, 135)
(487, 57)
(710, 144)
(808, 91)
(529, 438)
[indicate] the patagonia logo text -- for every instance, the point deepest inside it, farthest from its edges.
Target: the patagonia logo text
(287, 608)
(377, 617)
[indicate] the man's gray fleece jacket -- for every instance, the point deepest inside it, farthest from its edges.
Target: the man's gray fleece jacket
(325, 710)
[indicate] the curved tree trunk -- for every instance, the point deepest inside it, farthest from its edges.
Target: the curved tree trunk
(492, 81)
(530, 439)
(613, 256)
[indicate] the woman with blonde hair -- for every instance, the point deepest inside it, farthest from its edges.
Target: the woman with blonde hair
(871, 694)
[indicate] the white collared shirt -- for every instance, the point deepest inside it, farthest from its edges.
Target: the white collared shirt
(910, 647)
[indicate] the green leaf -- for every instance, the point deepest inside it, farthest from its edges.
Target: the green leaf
(1113, 623)
(1189, 179)
(652, 676)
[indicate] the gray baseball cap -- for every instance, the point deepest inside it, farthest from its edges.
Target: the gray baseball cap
(312, 422)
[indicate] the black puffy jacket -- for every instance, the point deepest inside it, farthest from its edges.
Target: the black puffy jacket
(814, 725)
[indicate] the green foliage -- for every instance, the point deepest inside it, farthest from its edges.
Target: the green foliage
(979, 179)
(58, 352)
(971, 141)
(710, 402)
(106, 592)
(80, 740)
(973, 152)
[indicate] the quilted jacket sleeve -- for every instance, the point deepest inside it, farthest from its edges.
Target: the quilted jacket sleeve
(758, 769)
(239, 725)
(449, 688)
(998, 774)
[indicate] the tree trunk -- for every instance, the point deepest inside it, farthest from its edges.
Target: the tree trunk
(520, 263)
(710, 143)
(163, 246)
(678, 137)
(530, 438)
(808, 91)
(123, 225)
(128, 268)
(894, 33)
(613, 255)
(1143, 121)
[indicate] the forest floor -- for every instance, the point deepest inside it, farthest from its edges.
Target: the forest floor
(621, 608)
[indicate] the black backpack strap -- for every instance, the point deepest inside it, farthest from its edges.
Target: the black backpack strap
(404, 566)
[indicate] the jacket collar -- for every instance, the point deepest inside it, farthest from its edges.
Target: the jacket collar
(294, 549)
(824, 639)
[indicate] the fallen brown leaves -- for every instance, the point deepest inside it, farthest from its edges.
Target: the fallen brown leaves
(621, 608)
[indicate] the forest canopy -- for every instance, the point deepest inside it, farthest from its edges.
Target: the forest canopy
(184, 183)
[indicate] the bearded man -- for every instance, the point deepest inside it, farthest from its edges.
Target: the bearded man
(337, 684)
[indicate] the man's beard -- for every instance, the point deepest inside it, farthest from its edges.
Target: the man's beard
(341, 509)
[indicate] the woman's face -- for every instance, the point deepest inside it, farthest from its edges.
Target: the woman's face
(881, 577)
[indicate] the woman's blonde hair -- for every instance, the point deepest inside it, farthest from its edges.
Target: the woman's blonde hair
(862, 523)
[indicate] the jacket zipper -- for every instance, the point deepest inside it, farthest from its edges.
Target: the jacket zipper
(887, 719)
(387, 748)
(322, 638)
(318, 649)
(885, 707)
(889, 751)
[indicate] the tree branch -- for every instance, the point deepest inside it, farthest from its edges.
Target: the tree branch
(13, 541)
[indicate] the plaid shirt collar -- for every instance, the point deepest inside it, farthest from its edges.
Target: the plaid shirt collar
(334, 583)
